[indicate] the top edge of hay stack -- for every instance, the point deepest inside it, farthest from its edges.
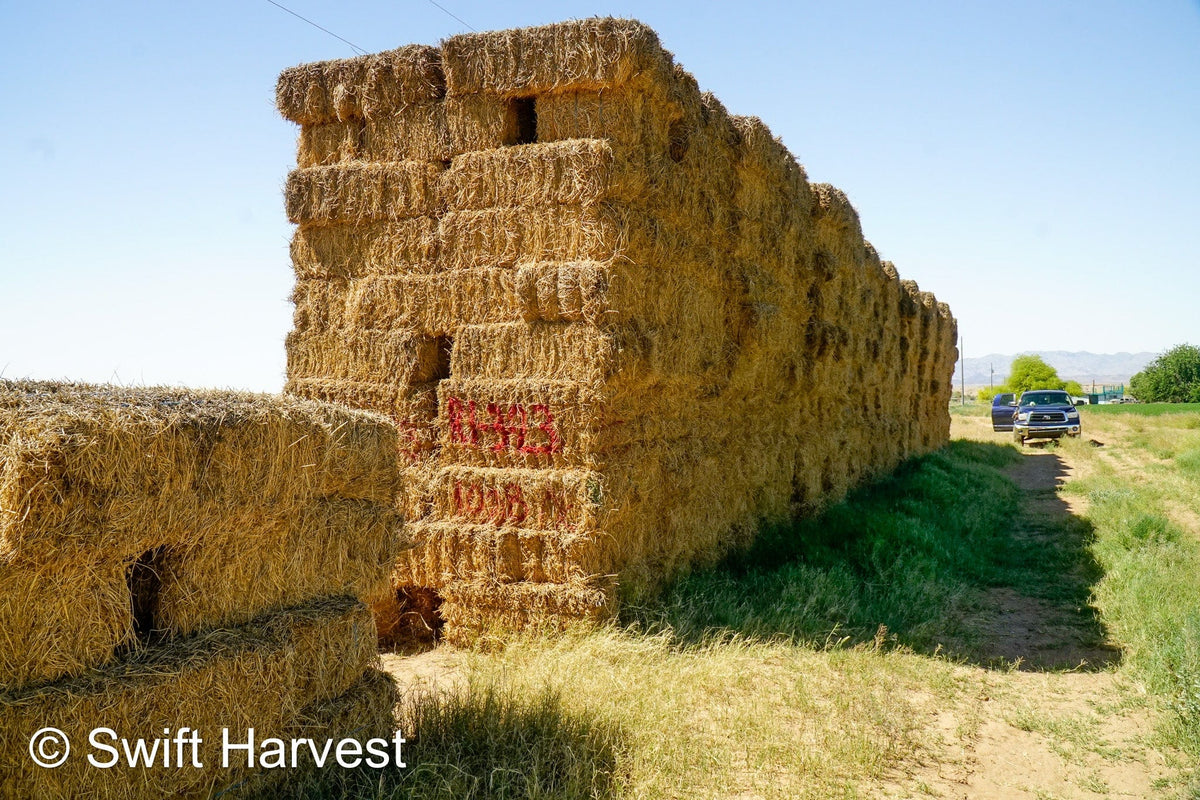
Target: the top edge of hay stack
(617, 326)
(173, 558)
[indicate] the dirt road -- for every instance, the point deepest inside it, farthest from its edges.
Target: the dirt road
(1059, 722)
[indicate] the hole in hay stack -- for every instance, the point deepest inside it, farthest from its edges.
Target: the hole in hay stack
(441, 370)
(144, 578)
(360, 139)
(410, 621)
(679, 137)
(523, 116)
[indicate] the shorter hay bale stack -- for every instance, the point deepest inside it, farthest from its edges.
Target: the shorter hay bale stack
(617, 325)
(172, 559)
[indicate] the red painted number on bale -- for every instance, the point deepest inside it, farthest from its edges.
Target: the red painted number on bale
(410, 442)
(454, 410)
(505, 505)
(509, 428)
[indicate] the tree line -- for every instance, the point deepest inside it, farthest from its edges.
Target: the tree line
(1173, 377)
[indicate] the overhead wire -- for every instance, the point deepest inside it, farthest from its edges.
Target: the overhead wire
(452, 14)
(353, 46)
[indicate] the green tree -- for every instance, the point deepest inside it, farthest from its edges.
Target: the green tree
(1031, 372)
(1073, 388)
(1173, 377)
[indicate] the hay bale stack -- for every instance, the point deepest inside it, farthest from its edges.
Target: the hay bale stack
(171, 558)
(617, 325)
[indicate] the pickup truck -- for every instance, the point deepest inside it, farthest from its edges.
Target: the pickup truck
(1044, 414)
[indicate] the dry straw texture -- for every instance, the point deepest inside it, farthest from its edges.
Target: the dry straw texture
(228, 504)
(289, 674)
(172, 558)
(617, 326)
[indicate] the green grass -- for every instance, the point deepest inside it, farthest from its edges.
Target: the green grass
(908, 552)
(1148, 594)
(486, 741)
(1143, 409)
(970, 410)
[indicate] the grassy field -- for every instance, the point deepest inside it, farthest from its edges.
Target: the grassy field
(1142, 490)
(862, 653)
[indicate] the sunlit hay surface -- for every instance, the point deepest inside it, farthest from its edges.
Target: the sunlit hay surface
(617, 327)
(228, 504)
(306, 671)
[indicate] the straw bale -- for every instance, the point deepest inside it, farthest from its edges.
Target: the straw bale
(396, 79)
(57, 622)
(574, 352)
(275, 675)
(352, 88)
(363, 354)
(459, 551)
(470, 608)
(413, 133)
(329, 548)
(836, 218)
(548, 423)
(635, 122)
(324, 91)
(565, 500)
(342, 251)
(362, 192)
(433, 304)
(74, 457)
(572, 291)
(571, 172)
(328, 144)
(504, 236)
(591, 54)
(412, 408)
(480, 122)
(397, 401)
(366, 711)
(507, 236)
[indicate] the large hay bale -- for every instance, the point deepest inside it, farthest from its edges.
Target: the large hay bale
(129, 516)
(306, 671)
(659, 333)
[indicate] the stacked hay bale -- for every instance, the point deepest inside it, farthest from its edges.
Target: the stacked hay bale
(617, 325)
(172, 559)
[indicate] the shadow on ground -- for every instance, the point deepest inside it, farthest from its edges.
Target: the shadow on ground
(482, 742)
(1041, 616)
(968, 552)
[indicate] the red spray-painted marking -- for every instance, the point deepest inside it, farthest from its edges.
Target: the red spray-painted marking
(506, 505)
(454, 410)
(509, 427)
(410, 443)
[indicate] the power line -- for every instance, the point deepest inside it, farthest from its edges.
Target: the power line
(353, 46)
(460, 19)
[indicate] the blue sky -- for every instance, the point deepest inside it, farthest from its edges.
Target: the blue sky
(1034, 164)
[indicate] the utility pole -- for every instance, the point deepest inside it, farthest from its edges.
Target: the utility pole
(992, 377)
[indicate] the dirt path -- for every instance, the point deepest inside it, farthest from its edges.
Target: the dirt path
(1034, 631)
(1060, 722)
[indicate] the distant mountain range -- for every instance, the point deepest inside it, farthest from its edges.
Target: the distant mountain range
(1084, 367)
